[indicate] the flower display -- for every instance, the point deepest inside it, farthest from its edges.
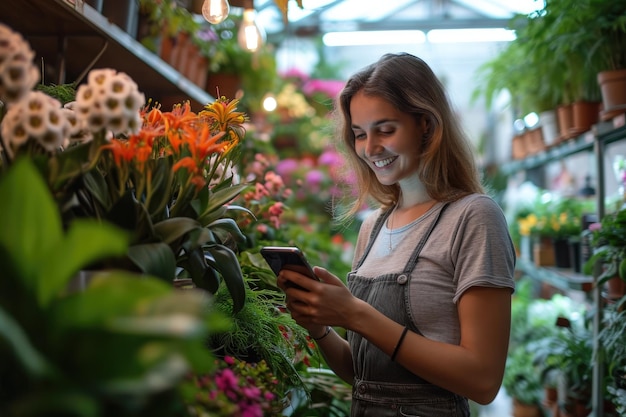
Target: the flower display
(553, 216)
(148, 171)
(235, 389)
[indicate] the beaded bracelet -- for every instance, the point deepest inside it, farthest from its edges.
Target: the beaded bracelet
(322, 336)
(395, 350)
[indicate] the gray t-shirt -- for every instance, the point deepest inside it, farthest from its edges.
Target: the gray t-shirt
(470, 246)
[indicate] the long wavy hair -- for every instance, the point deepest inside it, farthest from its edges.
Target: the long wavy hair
(447, 170)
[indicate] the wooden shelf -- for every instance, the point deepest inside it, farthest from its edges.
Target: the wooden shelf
(67, 42)
(563, 279)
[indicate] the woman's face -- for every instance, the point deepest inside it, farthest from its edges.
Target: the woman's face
(388, 140)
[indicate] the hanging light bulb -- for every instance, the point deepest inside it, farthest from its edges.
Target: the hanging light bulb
(250, 36)
(215, 11)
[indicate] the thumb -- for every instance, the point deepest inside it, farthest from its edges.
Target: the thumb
(326, 276)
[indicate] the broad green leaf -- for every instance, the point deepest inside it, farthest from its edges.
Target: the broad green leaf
(124, 212)
(110, 294)
(233, 207)
(13, 335)
(156, 259)
(86, 241)
(219, 199)
(30, 223)
(226, 263)
(230, 226)
(202, 275)
(97, 187)
(197, 238)
(172, 229)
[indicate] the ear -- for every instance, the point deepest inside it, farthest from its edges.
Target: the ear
(426, 126)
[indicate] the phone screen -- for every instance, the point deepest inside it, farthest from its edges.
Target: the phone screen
(288, 257)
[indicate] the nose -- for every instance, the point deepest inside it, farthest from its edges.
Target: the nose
(372, 146)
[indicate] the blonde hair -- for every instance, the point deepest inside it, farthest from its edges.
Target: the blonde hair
(447, 170)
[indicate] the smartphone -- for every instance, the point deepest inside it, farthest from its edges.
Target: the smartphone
(287, 257)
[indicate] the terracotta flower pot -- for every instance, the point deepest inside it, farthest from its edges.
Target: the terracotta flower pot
(526, 410)
(584, 115)
(613, 88)
(565, 117)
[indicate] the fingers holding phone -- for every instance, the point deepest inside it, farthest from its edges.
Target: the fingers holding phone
(288, 258)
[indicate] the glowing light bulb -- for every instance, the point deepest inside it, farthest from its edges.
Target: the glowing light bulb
(215, 11)
(269, 103)
(250, 36)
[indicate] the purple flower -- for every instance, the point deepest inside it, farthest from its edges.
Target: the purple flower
(286, 167)
(330, 157)
(314, 177)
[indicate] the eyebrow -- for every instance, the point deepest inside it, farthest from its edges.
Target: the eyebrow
(377, 123)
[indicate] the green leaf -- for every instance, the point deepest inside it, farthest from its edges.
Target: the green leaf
(162, 178)
(622, 269)
(202, 276)
(86, 241)
(230, 226)
(110, 294)
(219, 199)
(30, 223)
(156, 259)
(124, 212)
(69, 164)
(97, 187)
(226, 263)
(12, 334)
(170, 230)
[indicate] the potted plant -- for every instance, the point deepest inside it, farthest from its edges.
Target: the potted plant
(599, 27)
(609, 254)
(521, 382)
(568, 354)
(612, 342)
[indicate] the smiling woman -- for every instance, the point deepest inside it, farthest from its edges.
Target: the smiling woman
(427, 305)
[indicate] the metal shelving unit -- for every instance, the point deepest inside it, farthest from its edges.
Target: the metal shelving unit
(68, 41)
(594, 141)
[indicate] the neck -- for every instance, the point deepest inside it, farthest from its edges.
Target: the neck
(413, 193)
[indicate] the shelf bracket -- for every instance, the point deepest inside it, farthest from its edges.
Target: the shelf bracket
(82, 75)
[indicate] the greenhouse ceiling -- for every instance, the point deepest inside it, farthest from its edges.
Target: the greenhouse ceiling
(318, 17)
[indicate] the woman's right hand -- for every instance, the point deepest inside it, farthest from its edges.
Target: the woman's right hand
(316, 304)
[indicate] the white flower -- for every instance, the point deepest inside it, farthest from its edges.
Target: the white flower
(18, 75)
(110, 100)
(37, 118)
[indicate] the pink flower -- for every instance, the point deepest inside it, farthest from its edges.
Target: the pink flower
(595, 226)
(330, 88)
(226, 380)
(229, 360)
(252, 392)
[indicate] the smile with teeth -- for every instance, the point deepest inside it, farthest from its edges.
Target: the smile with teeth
(383, 162)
